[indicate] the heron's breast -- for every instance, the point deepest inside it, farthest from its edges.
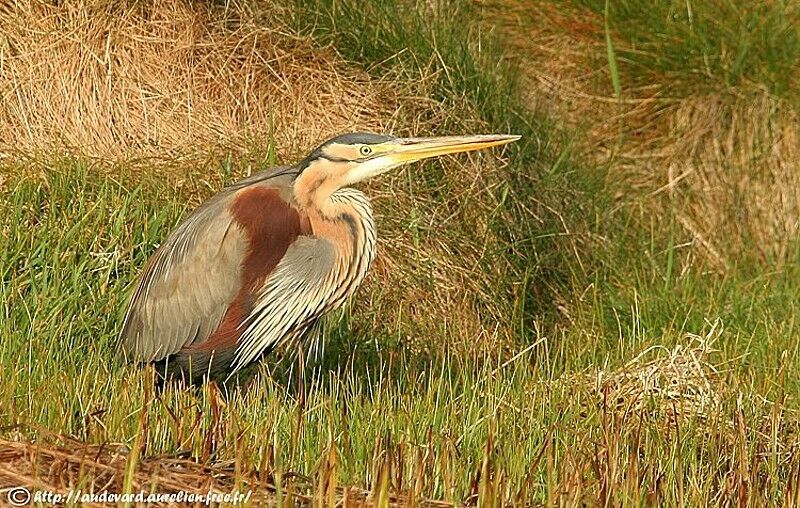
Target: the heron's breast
(351, 231)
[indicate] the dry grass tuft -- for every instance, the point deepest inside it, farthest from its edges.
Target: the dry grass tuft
(555, 47)
(164, 79)
(675, 383)
(731, 167)
(725, 165)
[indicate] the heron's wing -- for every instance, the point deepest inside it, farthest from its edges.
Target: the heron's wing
(296, 293)
(191, 279)
(186, 285)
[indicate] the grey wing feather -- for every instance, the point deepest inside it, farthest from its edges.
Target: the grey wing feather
(293, 296)
(190, 280)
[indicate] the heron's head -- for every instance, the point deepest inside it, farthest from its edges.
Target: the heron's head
(352, 158)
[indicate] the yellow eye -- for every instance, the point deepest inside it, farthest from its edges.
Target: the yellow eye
(365, 150)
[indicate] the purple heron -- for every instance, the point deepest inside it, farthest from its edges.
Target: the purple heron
(255, 266)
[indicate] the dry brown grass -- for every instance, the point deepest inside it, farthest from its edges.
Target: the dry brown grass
(165, 79)
(730, 166)
(725, 165)
(679, 382)
(60, 464)
(555, 47)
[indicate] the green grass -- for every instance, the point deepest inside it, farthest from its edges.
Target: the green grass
(78, 237)
(590, 283)
(64, 291)
(696, 45)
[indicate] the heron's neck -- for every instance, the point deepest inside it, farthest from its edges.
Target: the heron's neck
(340, 214)
(356, 229)
(316, 185)
(347, 222)
(346, 214)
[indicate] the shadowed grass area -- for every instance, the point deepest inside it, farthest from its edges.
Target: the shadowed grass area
(544, 205)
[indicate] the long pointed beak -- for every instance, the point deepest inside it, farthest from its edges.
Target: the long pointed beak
(414, 149)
